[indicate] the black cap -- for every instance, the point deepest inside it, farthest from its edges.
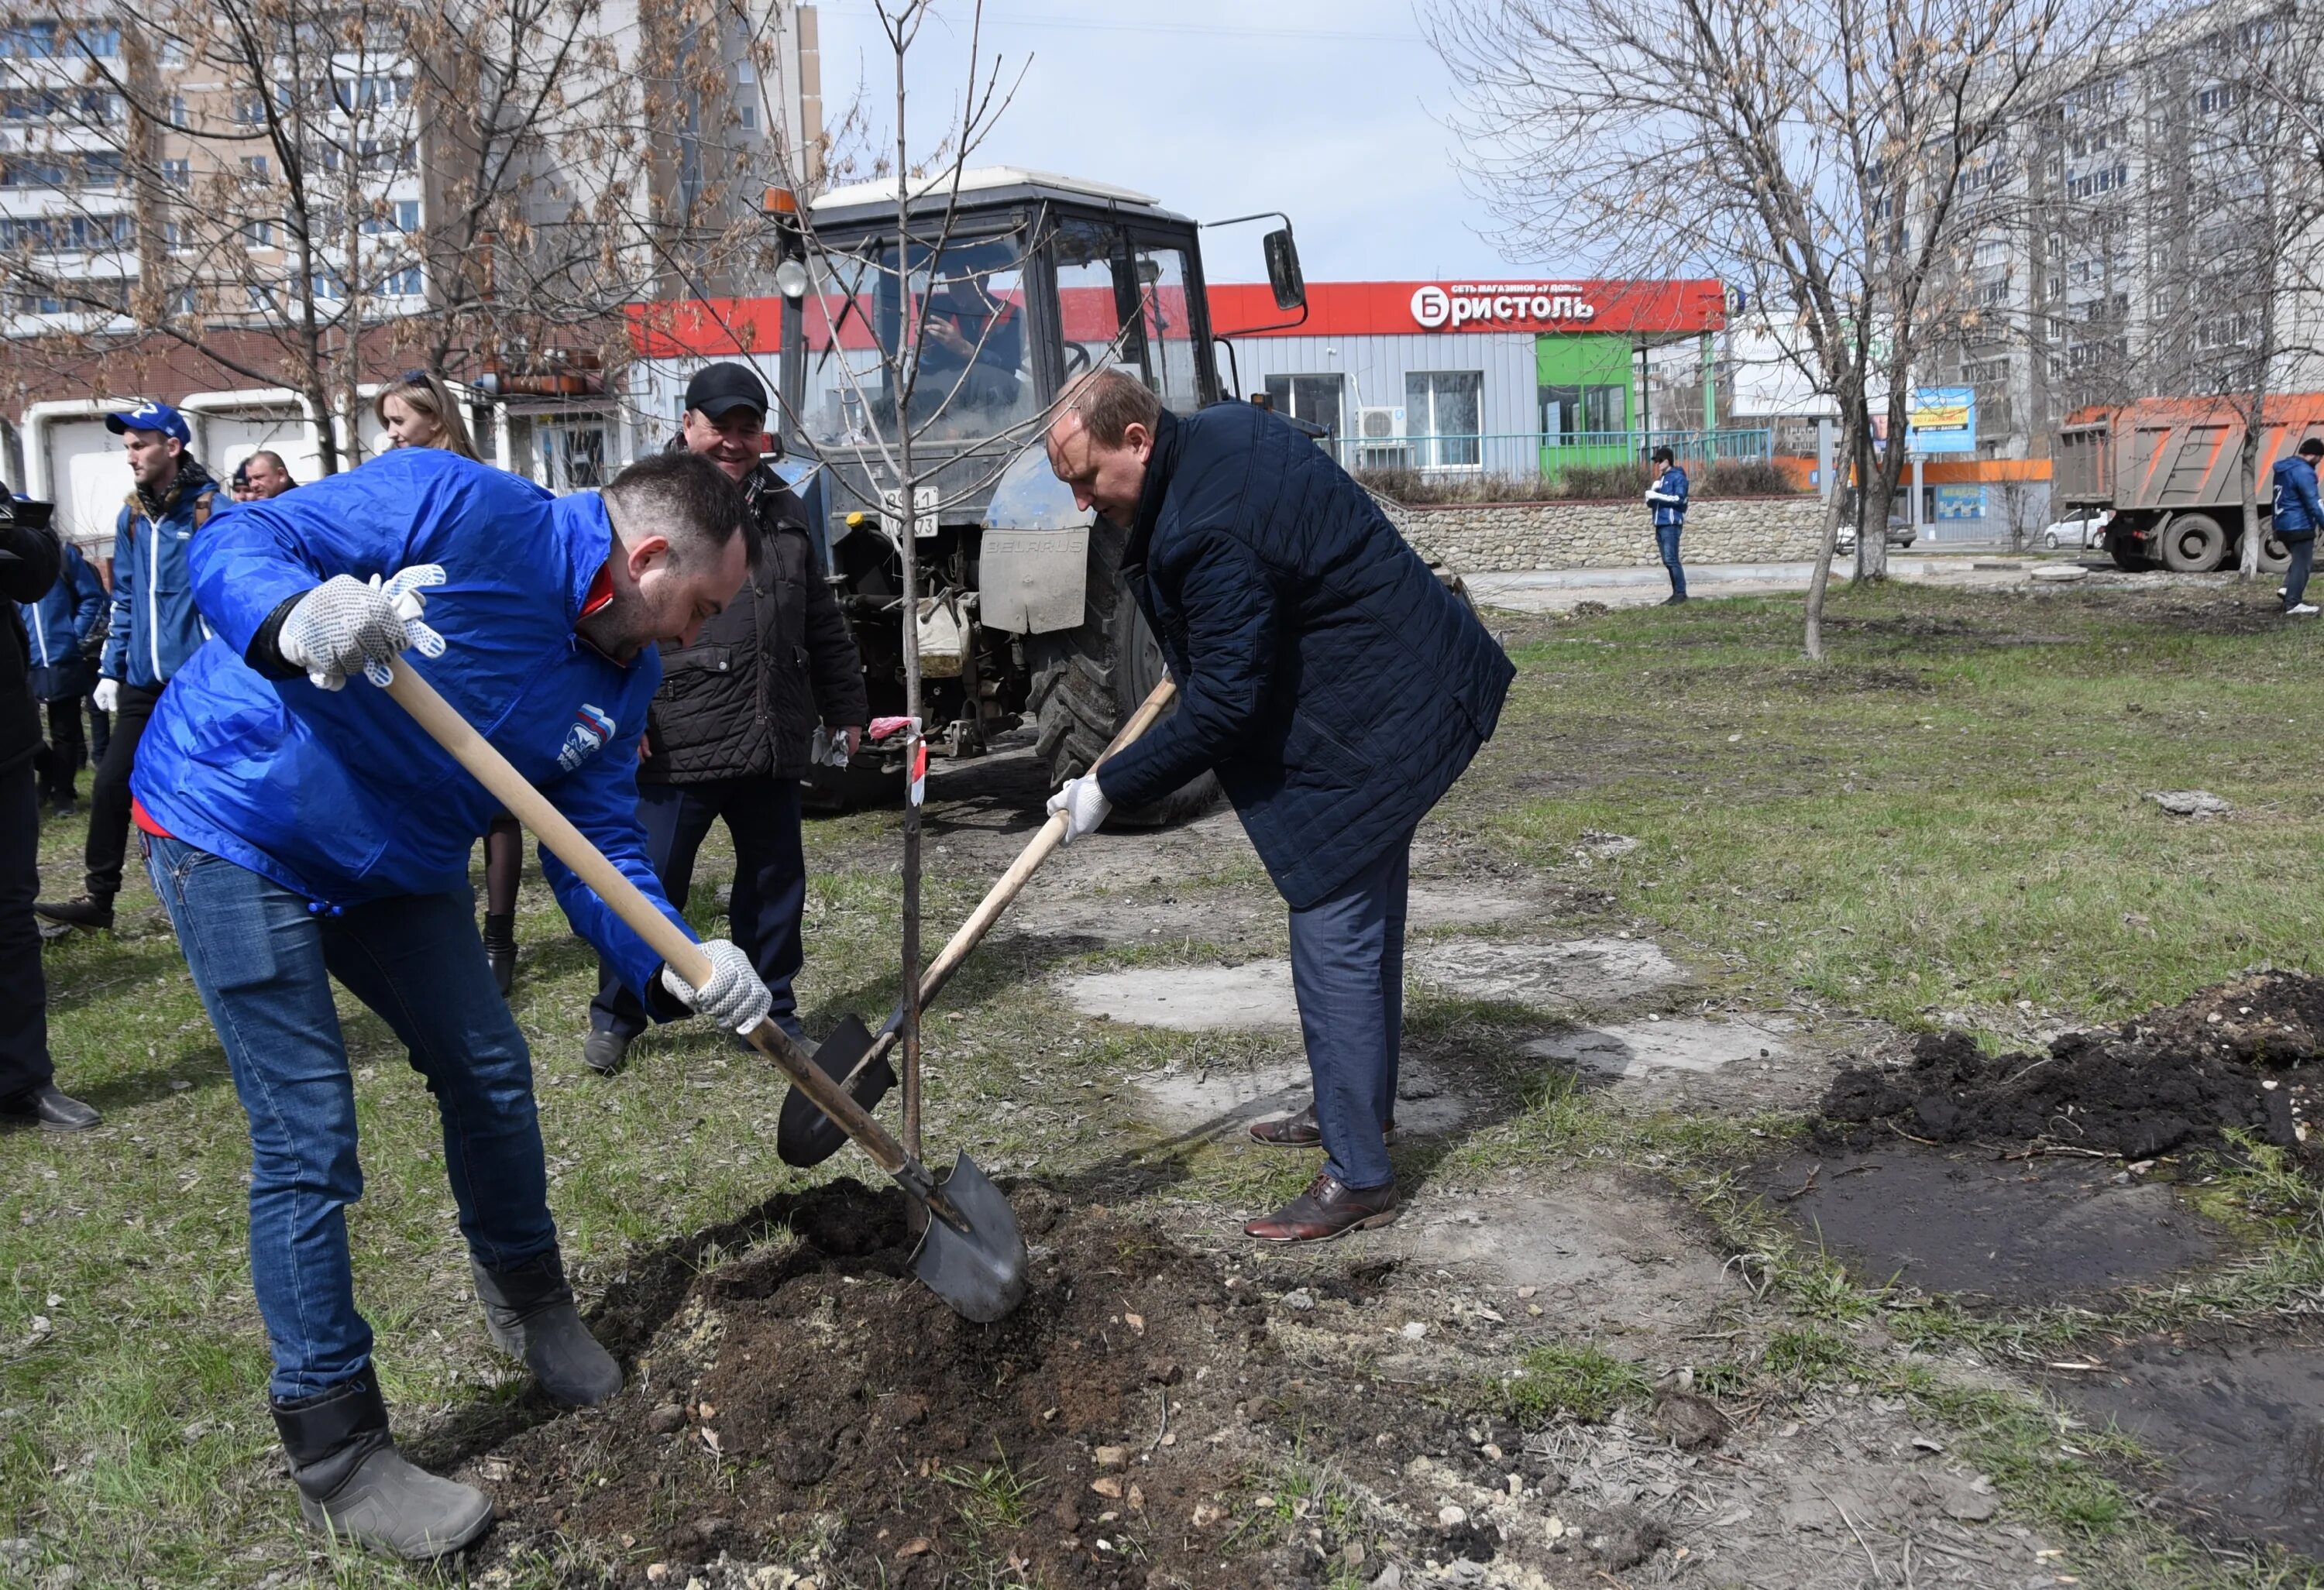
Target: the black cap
(717, 389)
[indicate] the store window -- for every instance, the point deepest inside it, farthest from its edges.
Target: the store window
(1315, 398)
(1571, 415)
(1441, 410)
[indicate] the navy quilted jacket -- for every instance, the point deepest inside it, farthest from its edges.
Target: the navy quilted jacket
(1334, 683)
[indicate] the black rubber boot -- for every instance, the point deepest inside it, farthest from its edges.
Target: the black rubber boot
(355, 1486)
(500, 949)
(530, 1311)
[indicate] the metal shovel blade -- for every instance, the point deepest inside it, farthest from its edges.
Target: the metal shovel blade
(804, 1136)
(979, 1268)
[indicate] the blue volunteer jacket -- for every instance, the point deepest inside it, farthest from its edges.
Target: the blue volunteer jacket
(1668, 496)
(60, 625)
(2297, 515)
(155, 626)
(339, 795)
(1331, 680)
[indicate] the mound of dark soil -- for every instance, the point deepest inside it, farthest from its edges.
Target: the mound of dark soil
(2239, 1056)
(810, 1408)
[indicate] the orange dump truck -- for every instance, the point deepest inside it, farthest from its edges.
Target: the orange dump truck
(2170, 469)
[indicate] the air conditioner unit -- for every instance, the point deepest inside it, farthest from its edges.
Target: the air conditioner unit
(1379, 441)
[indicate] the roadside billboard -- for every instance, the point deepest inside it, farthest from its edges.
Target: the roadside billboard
(1943, 420)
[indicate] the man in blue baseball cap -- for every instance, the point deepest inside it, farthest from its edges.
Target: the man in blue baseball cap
(156, 630)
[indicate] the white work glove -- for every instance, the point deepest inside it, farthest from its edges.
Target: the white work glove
(1084, 803)
(733, 998)
(343, 625)
(106, 697)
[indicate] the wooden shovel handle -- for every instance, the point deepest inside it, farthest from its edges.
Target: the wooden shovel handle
(458, 737)
(1045, 844)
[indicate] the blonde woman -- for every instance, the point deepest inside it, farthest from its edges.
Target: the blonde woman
(419, 410)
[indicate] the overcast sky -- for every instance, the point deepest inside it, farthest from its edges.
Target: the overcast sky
(1329, 110)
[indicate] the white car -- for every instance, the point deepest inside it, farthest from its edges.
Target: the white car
(2082, 534)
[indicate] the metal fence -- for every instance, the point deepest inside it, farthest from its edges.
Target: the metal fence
(1525, 453)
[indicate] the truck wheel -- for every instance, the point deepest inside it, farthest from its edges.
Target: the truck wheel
(2193, 544)
(1088, 681)
(2274, 556)
(2125, 552)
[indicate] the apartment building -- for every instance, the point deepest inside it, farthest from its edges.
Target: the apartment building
(263, 229)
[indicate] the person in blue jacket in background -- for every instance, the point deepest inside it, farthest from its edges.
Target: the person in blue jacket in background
(154, 629)
(1667, 498)
(2294, 519)
(1336, 686)
(65, 627)
(301, 827)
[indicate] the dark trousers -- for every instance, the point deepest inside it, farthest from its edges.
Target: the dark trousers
(61, 759)
(108, 793)
(1666, 543)
(100, 732)
(1347, 967)
(2295, 573)
(23, 993)
(769, 883)
(264, 964)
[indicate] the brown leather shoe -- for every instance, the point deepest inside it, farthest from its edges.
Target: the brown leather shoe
(1328, 1209)
(1300, 1131)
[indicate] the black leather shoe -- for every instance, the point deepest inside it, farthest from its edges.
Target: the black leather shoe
(51, 1110)
(1301, 1131)
(1330, 1208)
(605, 1051)
(89, 913)
(499, 951)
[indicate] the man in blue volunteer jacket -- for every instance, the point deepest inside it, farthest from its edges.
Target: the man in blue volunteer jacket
(301, 827)
(154, 630)
(1337, 688)
(1667, 499)
(2295, 518)
(65, 627)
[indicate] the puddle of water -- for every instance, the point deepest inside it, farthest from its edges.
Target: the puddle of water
(1577, 971)
(2019, 1231)
(2242, 1426)
(1685, 1043)
(1227, 1100)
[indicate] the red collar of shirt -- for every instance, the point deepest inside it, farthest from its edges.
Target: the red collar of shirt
(601, 590)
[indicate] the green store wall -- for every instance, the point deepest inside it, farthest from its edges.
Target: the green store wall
(1578, 370)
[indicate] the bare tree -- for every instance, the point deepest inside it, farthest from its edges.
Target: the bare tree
(1827, 154)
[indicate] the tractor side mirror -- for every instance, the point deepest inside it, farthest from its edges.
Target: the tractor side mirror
(1283, 272)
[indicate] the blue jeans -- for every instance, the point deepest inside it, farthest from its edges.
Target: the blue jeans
(1666, 542)
(263, 962)
(2295, 573)
(769, 898)
(1347, 965)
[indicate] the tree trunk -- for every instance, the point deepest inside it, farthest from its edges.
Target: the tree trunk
(2248, 472)
(907, 522)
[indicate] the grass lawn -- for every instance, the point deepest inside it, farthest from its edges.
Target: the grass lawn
(1946, 821)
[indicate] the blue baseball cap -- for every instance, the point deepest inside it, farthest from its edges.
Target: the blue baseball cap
(152, 416)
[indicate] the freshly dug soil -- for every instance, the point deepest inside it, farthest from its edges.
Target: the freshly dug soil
(2242, 1055)
(811, 1408)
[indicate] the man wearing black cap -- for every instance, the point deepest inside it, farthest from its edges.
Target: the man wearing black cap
(731, 729)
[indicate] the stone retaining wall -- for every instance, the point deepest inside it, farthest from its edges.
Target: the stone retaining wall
(1500, 538)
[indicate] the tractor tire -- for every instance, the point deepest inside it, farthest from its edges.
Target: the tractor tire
(2193, 544)
(1088, 681)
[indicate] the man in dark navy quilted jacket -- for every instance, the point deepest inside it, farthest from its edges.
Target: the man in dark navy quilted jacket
(1336, 686)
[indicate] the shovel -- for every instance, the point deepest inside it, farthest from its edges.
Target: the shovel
(806, 1135)
(970, 1254)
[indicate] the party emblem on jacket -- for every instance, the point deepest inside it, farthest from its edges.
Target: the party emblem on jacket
(590, 730)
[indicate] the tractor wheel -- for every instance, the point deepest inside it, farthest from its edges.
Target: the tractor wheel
(2193, 544)
(1088, 681)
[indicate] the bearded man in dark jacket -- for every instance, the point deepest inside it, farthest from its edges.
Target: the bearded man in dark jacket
(732, 729)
